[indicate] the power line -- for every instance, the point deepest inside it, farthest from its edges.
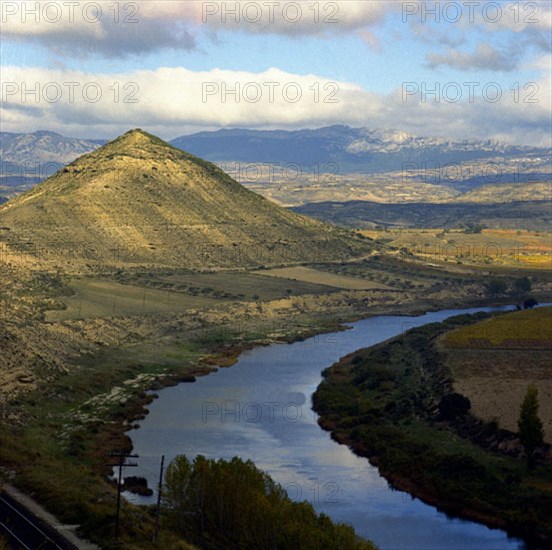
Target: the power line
(122, 463)
(159, 490)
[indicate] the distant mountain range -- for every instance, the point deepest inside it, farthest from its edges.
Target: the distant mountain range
(43, 147)
(28, 158)
(342, 150)
(354, 149)
(41, 153)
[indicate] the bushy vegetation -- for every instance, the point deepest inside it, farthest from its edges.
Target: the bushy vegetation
(474, 228)
(523, 285)
(453, 405)
(233, 504)
(470, 217)
(496, 287)
(387, 402)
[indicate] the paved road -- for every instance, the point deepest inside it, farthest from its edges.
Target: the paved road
(23, 530)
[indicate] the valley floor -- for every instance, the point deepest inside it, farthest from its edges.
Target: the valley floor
(80, 353)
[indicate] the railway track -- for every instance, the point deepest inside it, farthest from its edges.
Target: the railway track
(23, 530)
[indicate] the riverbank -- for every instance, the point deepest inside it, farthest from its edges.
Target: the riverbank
(383, 403)
(79, 418)
(117, 429)
(71, 424)
(225, 355)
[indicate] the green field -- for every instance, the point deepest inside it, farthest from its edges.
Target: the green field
(529, 329)
(248, 285)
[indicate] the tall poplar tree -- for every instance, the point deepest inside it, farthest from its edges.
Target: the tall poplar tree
(531, 433)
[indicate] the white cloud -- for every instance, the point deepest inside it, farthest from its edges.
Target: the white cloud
(115, 29)
(295, 18)
(120, 28)
(485, 57)
(175, 96)
(112, 29)
(174, 101)
(518, 17)
(513, 32)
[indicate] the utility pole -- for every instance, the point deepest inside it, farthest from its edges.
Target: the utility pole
(122, 463)
(159, 490)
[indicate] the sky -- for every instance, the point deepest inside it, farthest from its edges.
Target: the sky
(453, 69)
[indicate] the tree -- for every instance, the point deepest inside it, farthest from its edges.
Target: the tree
(496, 286)
(233, 504)
(474, 228)
(531, 433)
(453, 405)
(522, 285)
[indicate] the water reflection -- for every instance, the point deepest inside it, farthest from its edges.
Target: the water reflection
(260, 409)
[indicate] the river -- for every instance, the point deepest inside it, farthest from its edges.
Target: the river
(260, 409)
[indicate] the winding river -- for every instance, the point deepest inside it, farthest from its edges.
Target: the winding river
(260, 409)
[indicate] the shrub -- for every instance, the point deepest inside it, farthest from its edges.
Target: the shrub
(522, 285)
(496, 286)
(453, 405)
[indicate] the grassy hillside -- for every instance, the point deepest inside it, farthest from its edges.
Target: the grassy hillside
(140, 201)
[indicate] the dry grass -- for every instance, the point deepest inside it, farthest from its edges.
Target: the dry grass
(97, 298)
(493, 363)
(501, 247)
(318, 277)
